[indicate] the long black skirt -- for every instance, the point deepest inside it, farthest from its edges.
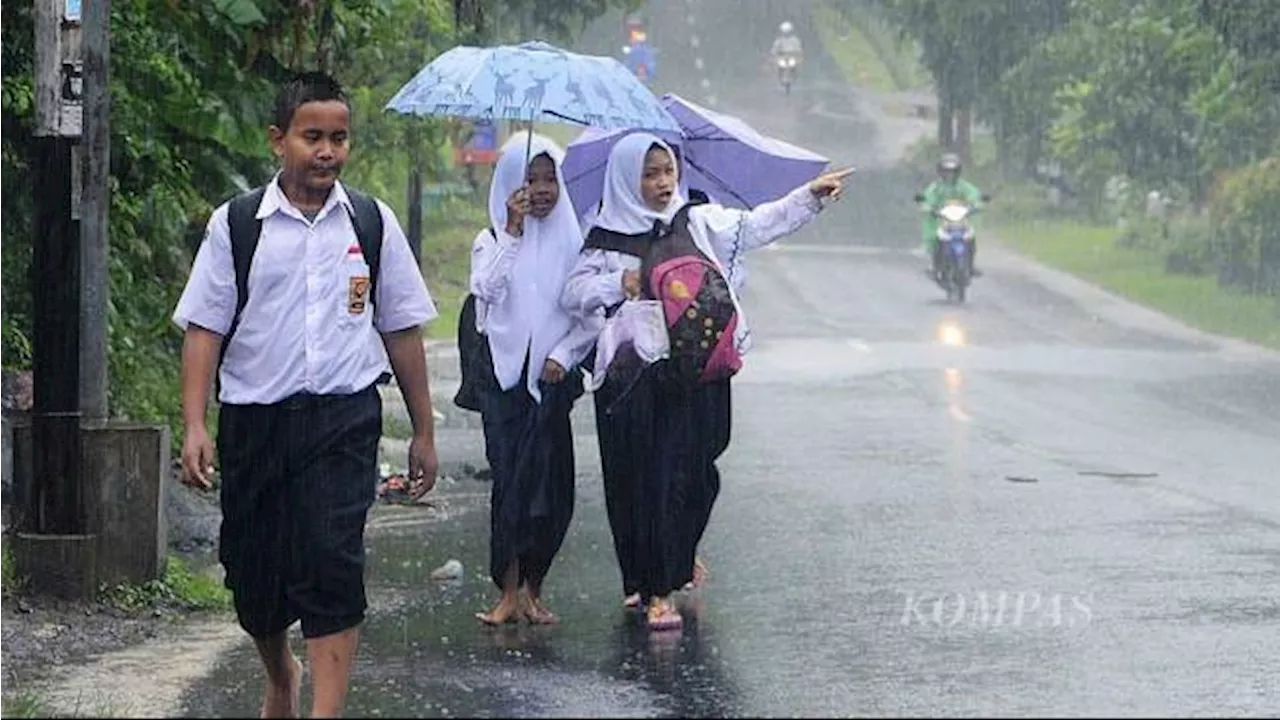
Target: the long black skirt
(659, 442)
(529, 447)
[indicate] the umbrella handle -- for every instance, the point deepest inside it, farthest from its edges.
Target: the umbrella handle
(528, 145)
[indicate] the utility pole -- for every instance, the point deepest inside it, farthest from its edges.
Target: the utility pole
(94, 204)
(56, 505)
(413, 139)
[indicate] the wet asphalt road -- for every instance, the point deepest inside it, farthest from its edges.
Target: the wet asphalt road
(1069, 511)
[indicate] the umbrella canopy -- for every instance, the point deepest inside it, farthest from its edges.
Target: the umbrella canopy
(531, 82)
(720, 154)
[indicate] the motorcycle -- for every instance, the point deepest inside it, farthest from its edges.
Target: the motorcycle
(639, 59)
(787, 65)
(955, 247)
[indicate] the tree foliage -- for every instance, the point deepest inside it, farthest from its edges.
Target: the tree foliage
(192, 85)
(1165, 94)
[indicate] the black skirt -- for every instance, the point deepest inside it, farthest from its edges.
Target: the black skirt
(529, 447)
(659, 442)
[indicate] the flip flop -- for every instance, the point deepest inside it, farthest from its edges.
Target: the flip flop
(700, 575)
(667, 619)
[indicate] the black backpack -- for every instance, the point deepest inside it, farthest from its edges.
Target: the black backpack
(474, 357)
(246, 228)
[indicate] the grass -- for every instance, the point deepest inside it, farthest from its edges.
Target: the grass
(396, 428)
(177, 588)
(446, 260)
(10, 582)
(867, 51)
(1090, 252)
(28, 704)
(24, 704)
(851, 51)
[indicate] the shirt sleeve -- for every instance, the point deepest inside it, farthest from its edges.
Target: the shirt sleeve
(209, 298)
(492, 257)
(592, 285)
(571, 351)
(733, 232)
(972, 194)
(402, 300)
(933, 195)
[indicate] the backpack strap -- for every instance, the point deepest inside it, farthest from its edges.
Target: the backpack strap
(681, 218)
(244, 228)
(601, 239)
(366, 218)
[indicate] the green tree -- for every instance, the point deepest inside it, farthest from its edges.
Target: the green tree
(192, 86)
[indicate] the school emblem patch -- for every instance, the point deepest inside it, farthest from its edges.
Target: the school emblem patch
(357, 294)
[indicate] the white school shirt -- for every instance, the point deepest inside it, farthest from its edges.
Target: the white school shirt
(493, 257)
(297, 332)
(723, 234)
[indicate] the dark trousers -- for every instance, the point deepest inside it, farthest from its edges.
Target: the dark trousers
(658, 445)
(529, 446)
(298, 479)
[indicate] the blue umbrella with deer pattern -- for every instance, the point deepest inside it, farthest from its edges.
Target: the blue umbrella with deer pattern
(531, 82)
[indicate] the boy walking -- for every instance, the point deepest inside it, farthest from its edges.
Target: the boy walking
(299, 295)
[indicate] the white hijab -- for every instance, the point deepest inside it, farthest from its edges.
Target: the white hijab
(530, 317)
(624, 209)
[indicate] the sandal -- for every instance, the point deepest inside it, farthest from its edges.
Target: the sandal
(700, 575)
(663, 615)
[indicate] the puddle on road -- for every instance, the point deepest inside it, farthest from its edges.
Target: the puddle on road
(424, 655)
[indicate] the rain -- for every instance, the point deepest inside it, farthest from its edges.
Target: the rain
(1008, 452)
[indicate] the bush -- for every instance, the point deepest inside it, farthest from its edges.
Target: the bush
(1245, 217)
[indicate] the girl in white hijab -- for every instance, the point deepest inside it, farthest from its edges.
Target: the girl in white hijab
(518, 269)
(658, 442)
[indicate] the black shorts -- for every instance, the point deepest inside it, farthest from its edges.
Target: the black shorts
(298, 478)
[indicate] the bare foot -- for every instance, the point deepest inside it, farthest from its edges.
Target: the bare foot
(632, 600)
(538, 614)
(284, 702)
(505, 612)
(663, 615)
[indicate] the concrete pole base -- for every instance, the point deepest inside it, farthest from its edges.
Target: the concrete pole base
(64, 566)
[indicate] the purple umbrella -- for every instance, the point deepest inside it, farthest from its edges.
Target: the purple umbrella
(720, 155)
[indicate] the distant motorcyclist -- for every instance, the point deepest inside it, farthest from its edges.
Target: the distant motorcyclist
(637, 54)
(787, 44)
(948, 187)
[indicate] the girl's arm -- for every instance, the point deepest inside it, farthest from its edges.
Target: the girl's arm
(492, 256)
(575, 345)
(733, 232)
(594, 284)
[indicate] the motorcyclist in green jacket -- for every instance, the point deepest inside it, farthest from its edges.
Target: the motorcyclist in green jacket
(948, 187)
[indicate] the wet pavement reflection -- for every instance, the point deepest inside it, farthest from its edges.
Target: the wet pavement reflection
(424, 655)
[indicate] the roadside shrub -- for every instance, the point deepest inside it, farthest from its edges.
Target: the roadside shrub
(1245, 219)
